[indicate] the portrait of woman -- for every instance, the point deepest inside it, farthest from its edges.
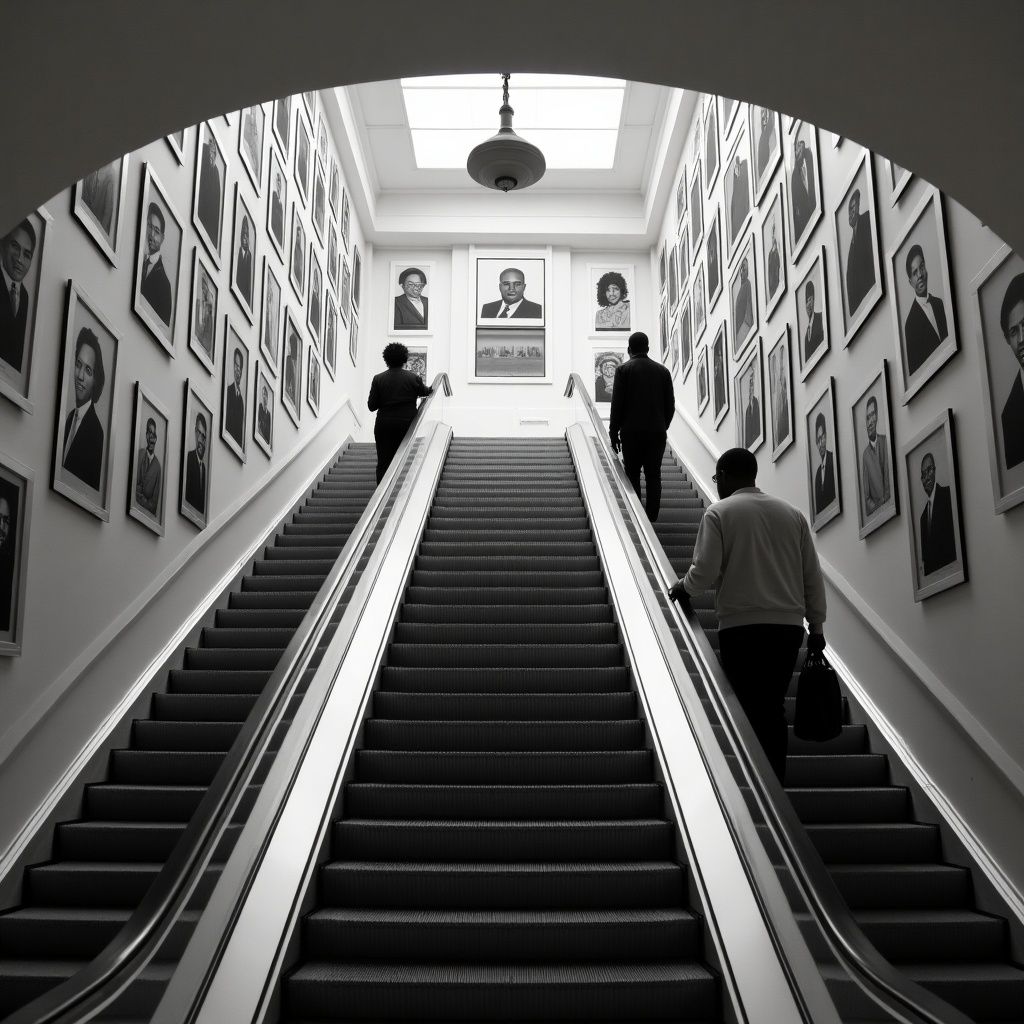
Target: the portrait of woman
(605, 365)
(613, 303)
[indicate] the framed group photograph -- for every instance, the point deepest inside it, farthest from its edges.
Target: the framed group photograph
(313, 381)
(331, 337)
(685, 340)
(700, 317)
(720, 375)
(196, 457)
(291, 376)
(98, 205)
(780, 391)
(302, 168)
(823, 481)
(898, 180)
(278, 205)
(319, 203)
(508, 288)
(283, 124)
(923, 309)
(314, 307)
(702, 380)
(714, 261)
(773, 253)
(766, 146)
(297, 273)
(234, 391)
(935, 518)
(263, 417)
(17, 483)
(803, 172)
(696, 210)
(251, 130)
(245, 258)
(410, 286)
(738, 205)
(158, 261)
(748, 401)
(210, 187)
(875, 450)
(147, 472)
(743, 299)
(270, 328)
(203, 313)
(606, 361)
(812, 320)
(611, 287)
(711, 146)
(353, 339)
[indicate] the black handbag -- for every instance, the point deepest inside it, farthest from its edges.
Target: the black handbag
(819, 704)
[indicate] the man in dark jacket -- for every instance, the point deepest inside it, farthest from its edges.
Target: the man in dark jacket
(393, 394)
(643, 403)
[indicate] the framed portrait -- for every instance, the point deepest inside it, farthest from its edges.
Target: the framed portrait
(178, 142)
(158, 251)
(743, 299)
(714, 261)
(611, 288)
(196, 457)
(696, 211)
(203, 312)
(17, 483)
(702, 380)
(681, 195)
(728, 109)
(334, 189)
(291, 378)
(711, 146)
(410, 306)
(345, 291)
(245, 260)
(314, 308)
(210, 188)
(923, 307)
(935, 518)
(898, 180)
(998, 296)
(875, 452)
(780, 392)
(99, 203)
(663, 352)
(313, 381)
(283, 124)
(251, 129)
(357, 273)
(332, 256)
(510, 292)
(331, 336)
(803, 172)
(302, 169)
(319, 203)
(297, 273)
(812, 320)
(278, 186)
(672, 358)
(684, 261)
(270, 328)
(673, 278)
(765, 146)
(663, 267)
(309, 101)
(720, 375)
(353, 339)
(607, 359)
(773, 253)
(855, 229)
(263, 400)
(748, 399)
(738, 206)
(344, 218)
(700, 318)
(510, 353)
(21, 255)
(685, 340)
(823, 480)
(234, 391)
(697, 138)
(147, 469)
(321, 143)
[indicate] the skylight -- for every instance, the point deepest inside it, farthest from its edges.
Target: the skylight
(574, 120)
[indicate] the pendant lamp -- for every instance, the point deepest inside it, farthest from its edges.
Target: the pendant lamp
(505, 161)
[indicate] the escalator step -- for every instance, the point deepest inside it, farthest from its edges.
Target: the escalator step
(392, 734)
(507, 594)
(505, 679)
(487, 655)
(506, 633)
(548, 614)
(504, 706)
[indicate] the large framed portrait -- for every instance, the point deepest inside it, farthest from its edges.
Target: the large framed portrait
(780, 392)
(935, 519)
(345, 290)
(417, 362)
(702, 380)
(270, 328)
(245, 260)
(210, 188)
(357, 274)
(147, 469)
(21, 256)
(823, 480)
(743, 299)
(803, 172)
(720, 375)
(86, 422)
(748, 399)
(302, 169)
(875, 451)
(319, 203)
(234, 391)
(696, 210)
(99, 203)
(711, 146)
(700, 316)
(344, 218)
(251, 130)
(766, 147)
(283, 124)
(314, 308)
(158, 261)
(297, 273)
(738, 205)
(812, 320)
(511, 354)
(898, 178)
(313, 381)
(607, 360)
(17, 483)
(278, 205)
(855, 229)
(330, 336)
(203, 313)
(263, 402)
(923, 306)
(410, 308)
(673, 277)
(611, 287)
(291, 377)
(998, 295)
(773, 253)
(685, 340)
(178, 142)
(196, 457)
(334, 189)
(510, 292)
(714, 261)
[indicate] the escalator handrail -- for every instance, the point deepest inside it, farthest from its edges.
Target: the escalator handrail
(892, 989)
(128, 952)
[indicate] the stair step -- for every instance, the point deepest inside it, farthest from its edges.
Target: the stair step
(551, 614)
(504, 706)
(506, 679)
(493, 655)
(394, 734)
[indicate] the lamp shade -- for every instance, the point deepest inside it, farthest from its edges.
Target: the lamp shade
(505, 161)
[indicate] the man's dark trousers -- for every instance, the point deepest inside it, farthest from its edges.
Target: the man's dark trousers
(644, 449)
(389, 437)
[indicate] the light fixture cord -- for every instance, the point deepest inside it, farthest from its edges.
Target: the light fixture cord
(505, 91)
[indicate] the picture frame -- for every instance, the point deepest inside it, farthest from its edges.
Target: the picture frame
(209, 192)
(703, 392)
(743, 297)
(410, 303)
(515, 281)
(925, 327)
(773, 252)
(696, 210)
(245, 259)
(997, 294)
(748, 400)
(270, 325)
(700, 316)
(685, 340)
(17, 487)
(344, 219)
(158, 250)
(147, 461)
(309, 102)
(510, 354)
(683, 246)
(898, 179)
(98, 205)
(938, 554)
(291, 371)
(765, 147)
(313, 381)
(345, 290)
(251, 131)
(321, 143)
(780, 394)
(314, 308)
(714, 258)
(319, 203)
(196, 474)
(234, 391)
(297, 270)
(673, 278)
(663, 267)
(697, 137)
(332, 256)
(720, 375)
(418, 362)
(824, 484)
(21, 254)
(353, 339)
(303, 158)
(178, 143)
(607, 359)
(263, 404)
(682, 193)
(611, 286)
(283, 125)
(357, 273)
(662, 352)
(330, 336)
(803, 174)
(204, 309)
(334, 189)
(813, 331)
(671, 358)
(728, 109)
(875, 453)
(712, 146)
(738, 204)
(277, 186)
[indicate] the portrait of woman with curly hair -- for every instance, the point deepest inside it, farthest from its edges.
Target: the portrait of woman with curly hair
(612, 302)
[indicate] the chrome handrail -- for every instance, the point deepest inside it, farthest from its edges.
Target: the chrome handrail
(890, 988)
(121, 960)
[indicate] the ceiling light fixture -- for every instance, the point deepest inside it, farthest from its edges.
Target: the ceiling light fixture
(505, 161)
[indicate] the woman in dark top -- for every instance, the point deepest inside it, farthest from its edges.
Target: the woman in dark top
(393, 395)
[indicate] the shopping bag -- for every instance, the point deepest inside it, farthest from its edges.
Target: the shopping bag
(819, 704)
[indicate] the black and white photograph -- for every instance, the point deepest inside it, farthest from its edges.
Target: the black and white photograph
(606, 362)
(663, 267)
(672, 358)
(196, 457)
(313, 381)
(263, 417)
(297, 272)
(203, 313)
(158, 261)
(611, 288)
(748, 401)
(319, 203)
(178, 141)
(923, 311)
(681, 196)
(738, 205)
(332, 256)
(17, 483)
(898, 180)
(685, 340)
(934, 518)
(711, 146)
(697, 138)
(773, 253)
(357, 273)
(673, 277)
(321, 143)
(684, 261)
(507, 288)
(98, 205)
(234, 391)
(334, 189)
(278, 205)
(344, 218)
(270, 328)
(510, 354)
(696, 211)
(251, 131)
(147, 471)
(855, 229)
(720, 375)
(700, 316)
(245, 258)
(291, 373)
(331, 336)
(803, 172)
(410, 288)
(780, 392)
(998, 293)
(210, 190)
(283, 124)
(314, 308)
(417, 362)
(345, 291)
(765, 146)
(662, 352)
(702, 380)
(875, 451)
(823, 480)
(714, 248)
(353, 339)
(812, 321)
(302, 169)
(21, 261)
(743, 300)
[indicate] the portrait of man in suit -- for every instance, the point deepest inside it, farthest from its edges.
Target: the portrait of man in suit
(210, 196)
(825, 476)
(802, 190)
(17, 248)
(751, 411)
(814, 332)
(82, 443)
(291, 368)
(874, 463)
(1011, 320)
(234, 410)
(196, 481)
(938, 540)
(155, 286)
(774, 260)
(512, 304)
(243, 261)
(411, 306)
(263, 414)
(925, 327)
(148, 473)
(765, 142)
(860, 259)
